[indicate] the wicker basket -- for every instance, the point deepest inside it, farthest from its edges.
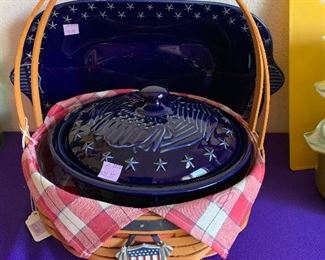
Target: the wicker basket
(185, 247)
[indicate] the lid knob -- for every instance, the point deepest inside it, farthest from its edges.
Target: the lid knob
(154, 96)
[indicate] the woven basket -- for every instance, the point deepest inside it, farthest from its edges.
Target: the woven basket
(185, 247)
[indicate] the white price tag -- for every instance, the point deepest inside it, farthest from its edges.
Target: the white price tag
(36, 227)
(110, 171)
(71, 29)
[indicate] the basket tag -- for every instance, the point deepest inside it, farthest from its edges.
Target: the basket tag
(110, 171)
(36, 227)
(71, 29)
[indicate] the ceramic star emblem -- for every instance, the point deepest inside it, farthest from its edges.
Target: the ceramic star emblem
(231, 21)
(214, 17)
(88, 146)
(140, 15)
(107, 156)
(210, 153)
(103, 14)
(72, 9)
(245, 28)
(55, 13)
(178, 15)
(228, 131)
(67, 19)
(207, 8)
(129, 6)
(242, 17)
(267, 41)
(169, 7)
(159, 15)
(30, 39)
(29, 55)
(197, 16)
(226, 11)
(150, 7)
(92, 7)
(84, 15)
(130, 164)
(52, 25)
(160, 165)
(223, 143)
(121, 15)
(188, 7)
(188, 162)
(110, 6)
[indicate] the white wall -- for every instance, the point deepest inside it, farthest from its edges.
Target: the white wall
(13, 14)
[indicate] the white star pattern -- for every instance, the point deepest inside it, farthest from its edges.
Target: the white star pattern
(130, 164)
(92, 7)
(140, 15)
(231, 21)
(159, 15)
(169, 7)
(107, 156)
(223, 143)
(150, 7)
(129, 6)
(110, 6)
(197, 16)
(88, 146)
(84, 15)
(121, 15)
(245, 28)
(55, 13)
(29, 55)
(73, 9)
(52, 25)
(228, 131)
(160, 165)
(226, 11)
(30, 39)
(67, 19)
(267, 41)
(188, 160)
(178, 15)
(210, 153)
(188, 7)
(214, 17)
(207, 8)
(103, 14)
(242, 17)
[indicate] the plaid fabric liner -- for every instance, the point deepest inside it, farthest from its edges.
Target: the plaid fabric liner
(86, 224)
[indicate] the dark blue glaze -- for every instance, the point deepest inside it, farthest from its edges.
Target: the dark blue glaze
(192, 150)
(201, 48)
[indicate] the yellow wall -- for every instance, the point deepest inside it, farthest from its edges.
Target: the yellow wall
(307, 65)
(14, 12)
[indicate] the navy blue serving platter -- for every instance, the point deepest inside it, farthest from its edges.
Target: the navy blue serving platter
(169, 149)
(194, 47)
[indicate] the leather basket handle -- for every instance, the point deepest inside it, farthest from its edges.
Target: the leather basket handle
(262, 72)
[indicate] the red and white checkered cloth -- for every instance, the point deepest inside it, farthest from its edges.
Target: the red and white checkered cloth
(85, 223)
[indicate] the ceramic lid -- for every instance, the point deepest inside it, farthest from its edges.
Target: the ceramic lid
(152, 136)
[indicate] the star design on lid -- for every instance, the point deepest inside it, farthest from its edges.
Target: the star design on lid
(84, 15)
(110, 6)
(188, 7)
(150, 7)
(52, 25)
(107, 156)
(159, 15)
(103, 14)
(72, 8)
(214, 17)
(210, 153)
(29, 55)
(140, 15)
(130, 163)
(197, 16)
(207, 8)
(88, 146)
(226, 11)
(160, 165)
(67, 19)
(55, 13)
(121, 15)
(188, 161)
(92, 7)
(178, 15)
(223, 143)
(231, 21)
(245, 28)
(169, 7)
(30, 39)
(129, 6)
